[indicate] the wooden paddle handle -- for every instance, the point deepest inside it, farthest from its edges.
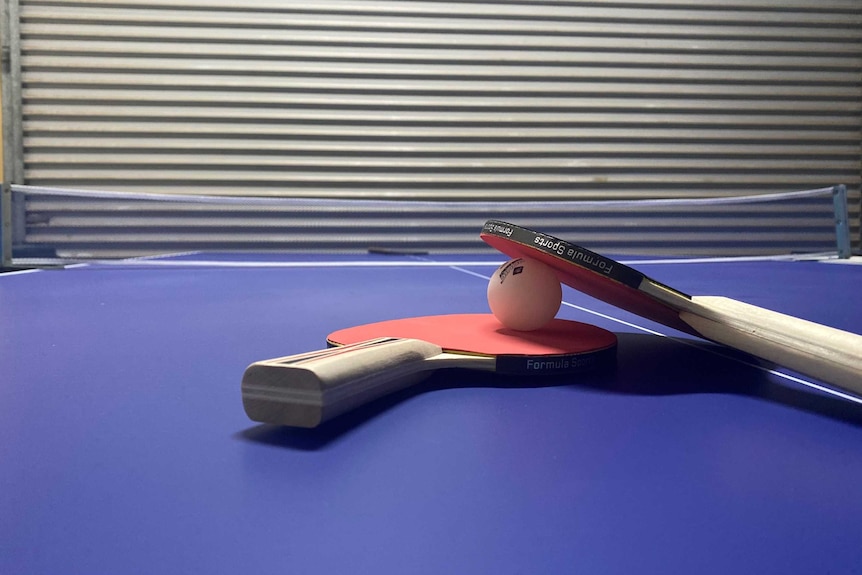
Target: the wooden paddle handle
(306, 389)
(828, 354)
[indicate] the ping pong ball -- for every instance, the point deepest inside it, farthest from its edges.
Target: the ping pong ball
(524, 294)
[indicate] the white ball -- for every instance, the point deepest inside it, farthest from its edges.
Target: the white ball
(524, 294)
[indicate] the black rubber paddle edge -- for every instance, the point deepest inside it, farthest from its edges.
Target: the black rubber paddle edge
(571, 253)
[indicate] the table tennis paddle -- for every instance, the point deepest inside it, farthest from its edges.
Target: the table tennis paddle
(831, 355)
(372, 360)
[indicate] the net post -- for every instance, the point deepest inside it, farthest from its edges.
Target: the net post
(5, 227)
(842, 221)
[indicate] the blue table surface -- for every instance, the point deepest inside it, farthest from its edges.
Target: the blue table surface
(124, 447)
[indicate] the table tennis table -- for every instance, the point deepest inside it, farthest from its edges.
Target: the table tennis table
(124, 447)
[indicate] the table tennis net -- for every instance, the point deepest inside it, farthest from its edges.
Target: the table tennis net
(52, 224)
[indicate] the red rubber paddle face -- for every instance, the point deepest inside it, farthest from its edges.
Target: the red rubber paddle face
(573, 346)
